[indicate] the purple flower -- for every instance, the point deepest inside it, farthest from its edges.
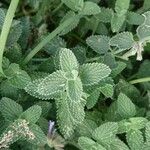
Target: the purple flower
(51, 128)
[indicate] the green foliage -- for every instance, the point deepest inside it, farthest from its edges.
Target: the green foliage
(71, 76)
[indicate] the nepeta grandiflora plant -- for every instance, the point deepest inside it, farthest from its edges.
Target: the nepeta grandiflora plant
(67, 87)
(74, 74)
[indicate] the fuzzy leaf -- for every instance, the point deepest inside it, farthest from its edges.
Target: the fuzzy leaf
(125, 106)
(122, 6)
(32, 114)
(68, 61)
(75, 5)
(74, 89)
(135, 139)
(106, 132)
(117, 22)
(107, 90)
(122, 40)
(99, 43)
(90, 8)
(147, 132)
(105, 15)
(93, 98)
(92, 73)
(2, 17)
(10, 109)
(88, 144)
(117, 144)
(70, 113)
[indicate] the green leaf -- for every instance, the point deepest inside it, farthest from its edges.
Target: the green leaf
(106, 132)
(32, 114)
(76, 5)
(117, 22)
(99, 43)
(70, 114)
(92, 73)
(90, 8)
(105, 15)
(47, 87)
(122, 6)
(10, 109)
(68, 61)
(135, 139)
(134, 18)
(135, 123)
(107, 90)
(122, 41)
(125, 106)
(74, 89)
(93, 98)
(16, 77)
(117, 144)
(86, 128)
(40, 137)
(86, 143)
(72, 25)
(2, 17)
(147, 132)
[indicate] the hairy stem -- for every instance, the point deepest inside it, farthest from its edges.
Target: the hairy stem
(47, 39)
(6, 28)
(147, 79)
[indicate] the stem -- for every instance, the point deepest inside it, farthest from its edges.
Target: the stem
(6, 28)
(47, 39)
(147, 79)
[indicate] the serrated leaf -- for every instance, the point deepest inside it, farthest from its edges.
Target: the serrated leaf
(92, 73)
(134, 18)
(74, 89)
(135, 139)
(40, 137)
(88, 144)
(106, 132)
(75, 5)
(10, 109)
(122, 40)
(135, 123)
(121, 6)
(117, 22)
(72, 25)
(52, 84)
(125, 106)
(68, 61)
(107, 90)
(147, 132)
(16, 77)
(99, 43)
(70, 113)
(86, 128)
(90, 8)
(93, 98)
(105, 15)
(117, 144)
(32, 114)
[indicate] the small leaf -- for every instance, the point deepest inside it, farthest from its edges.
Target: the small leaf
(106, 132)
(99, 43)
(135, 139)
(125, 106)
(90, 8)
(92, 73)
(68, 61)
(105, 15)
(107, 90)
(122, 40)
(75, 5)
(32, 114)
(10, 109)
